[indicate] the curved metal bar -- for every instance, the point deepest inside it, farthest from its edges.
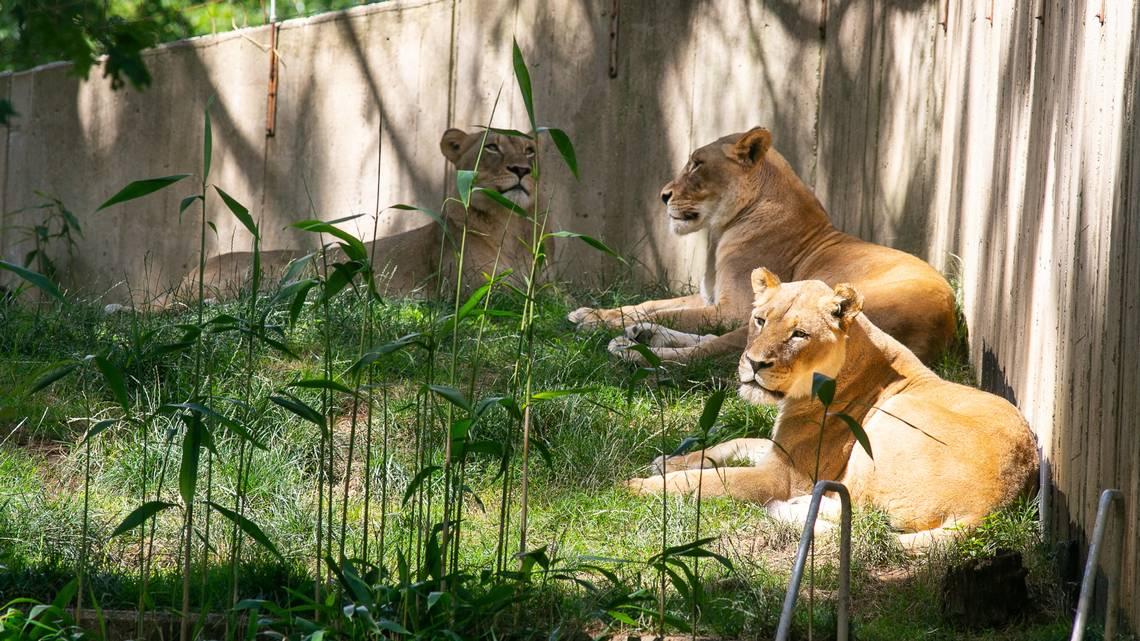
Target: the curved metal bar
(1108, 498)
(782, 633)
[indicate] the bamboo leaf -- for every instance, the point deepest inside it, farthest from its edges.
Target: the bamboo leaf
(233, 425)
(41, 282)
(239, 211)
(52, 376)
(208, 140)
(249, 527)
(418, 480)
(191, 454)
(712, 410)
(353, 247)
(140, 515)
(858, 431)
(185, 204)
(97, 429)
(823, 388)
(452, 395)
(565, 148)
(434, 215)
(114, 378)
(589, 240)
(322, 383)
(465, 182)
(140, 188)
(298, 407)
(523, 78)
(548, 395)
(388, 348)
(503, 201)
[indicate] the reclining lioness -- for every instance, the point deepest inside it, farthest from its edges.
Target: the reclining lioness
(497, 239)
(758, 212)
(945, 454)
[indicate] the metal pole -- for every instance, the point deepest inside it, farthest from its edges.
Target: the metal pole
(1108, 498)
(783, 631)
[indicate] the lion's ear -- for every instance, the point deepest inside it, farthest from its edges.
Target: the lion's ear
(752, 146)
(762, 280)
(846, 305)
(452, 144)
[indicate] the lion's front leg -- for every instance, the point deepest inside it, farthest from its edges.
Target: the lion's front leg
(617, 318)
(756, 484)
(752, 469)
(701, 347)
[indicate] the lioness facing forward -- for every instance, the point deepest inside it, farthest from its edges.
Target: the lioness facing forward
(497, 239)
(945, 454)
(758, 212)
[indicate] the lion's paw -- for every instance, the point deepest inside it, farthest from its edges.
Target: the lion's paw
(643, 486)
(586, 318)
(620, 347)
(646, 334)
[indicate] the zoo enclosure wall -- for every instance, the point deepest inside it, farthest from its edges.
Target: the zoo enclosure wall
(996, 139)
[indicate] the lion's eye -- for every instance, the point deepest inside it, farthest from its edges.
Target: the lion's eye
(759, 322)
(799, 333)
(492, 147)
(530, 152)
(695, 165)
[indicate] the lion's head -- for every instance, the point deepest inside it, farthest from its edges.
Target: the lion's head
(717, 182)
(796, 329)
(504, 164)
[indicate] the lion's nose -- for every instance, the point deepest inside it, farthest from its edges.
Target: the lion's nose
(666, 194)
(758, 365)
(519, 170)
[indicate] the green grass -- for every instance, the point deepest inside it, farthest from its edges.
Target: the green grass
(589, 442)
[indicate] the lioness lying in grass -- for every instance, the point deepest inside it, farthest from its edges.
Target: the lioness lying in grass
(945, 455)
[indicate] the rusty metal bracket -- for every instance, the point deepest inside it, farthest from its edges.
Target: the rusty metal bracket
(615, 24)
(271, 96)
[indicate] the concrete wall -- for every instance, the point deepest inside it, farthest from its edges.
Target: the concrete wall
(1000, 146)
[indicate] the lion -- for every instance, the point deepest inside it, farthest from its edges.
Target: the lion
(498, 239)
(944, 455)
(757, 211)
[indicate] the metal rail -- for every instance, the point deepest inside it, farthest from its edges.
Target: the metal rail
(782, 633)
(1108, 498)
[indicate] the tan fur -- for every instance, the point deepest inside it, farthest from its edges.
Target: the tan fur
(409, 262)
(945, 455)
(757, 211)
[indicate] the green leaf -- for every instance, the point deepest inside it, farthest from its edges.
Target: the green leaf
(191, 454)
(375, 355)
(823, 388)
(589, 240)
(650, 356)
(298, 407)
(322, 383)
(97, 429)
(208, 140)
(353, 247)
(234, 426)
(549, 395)
(565, 147)
(340, 278)
(453, 396)
(418, 480)
(239, 211)
(61, 600)
(465, 182)
(503, 201)
(52, 376)
(185, 204)
(249, 527)
(140, 188)
(686, 445)
(114, 378)
(434, 215)
(712, 410)
(41, 282)
(140, 515)
(858, 431)
(523, 78)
